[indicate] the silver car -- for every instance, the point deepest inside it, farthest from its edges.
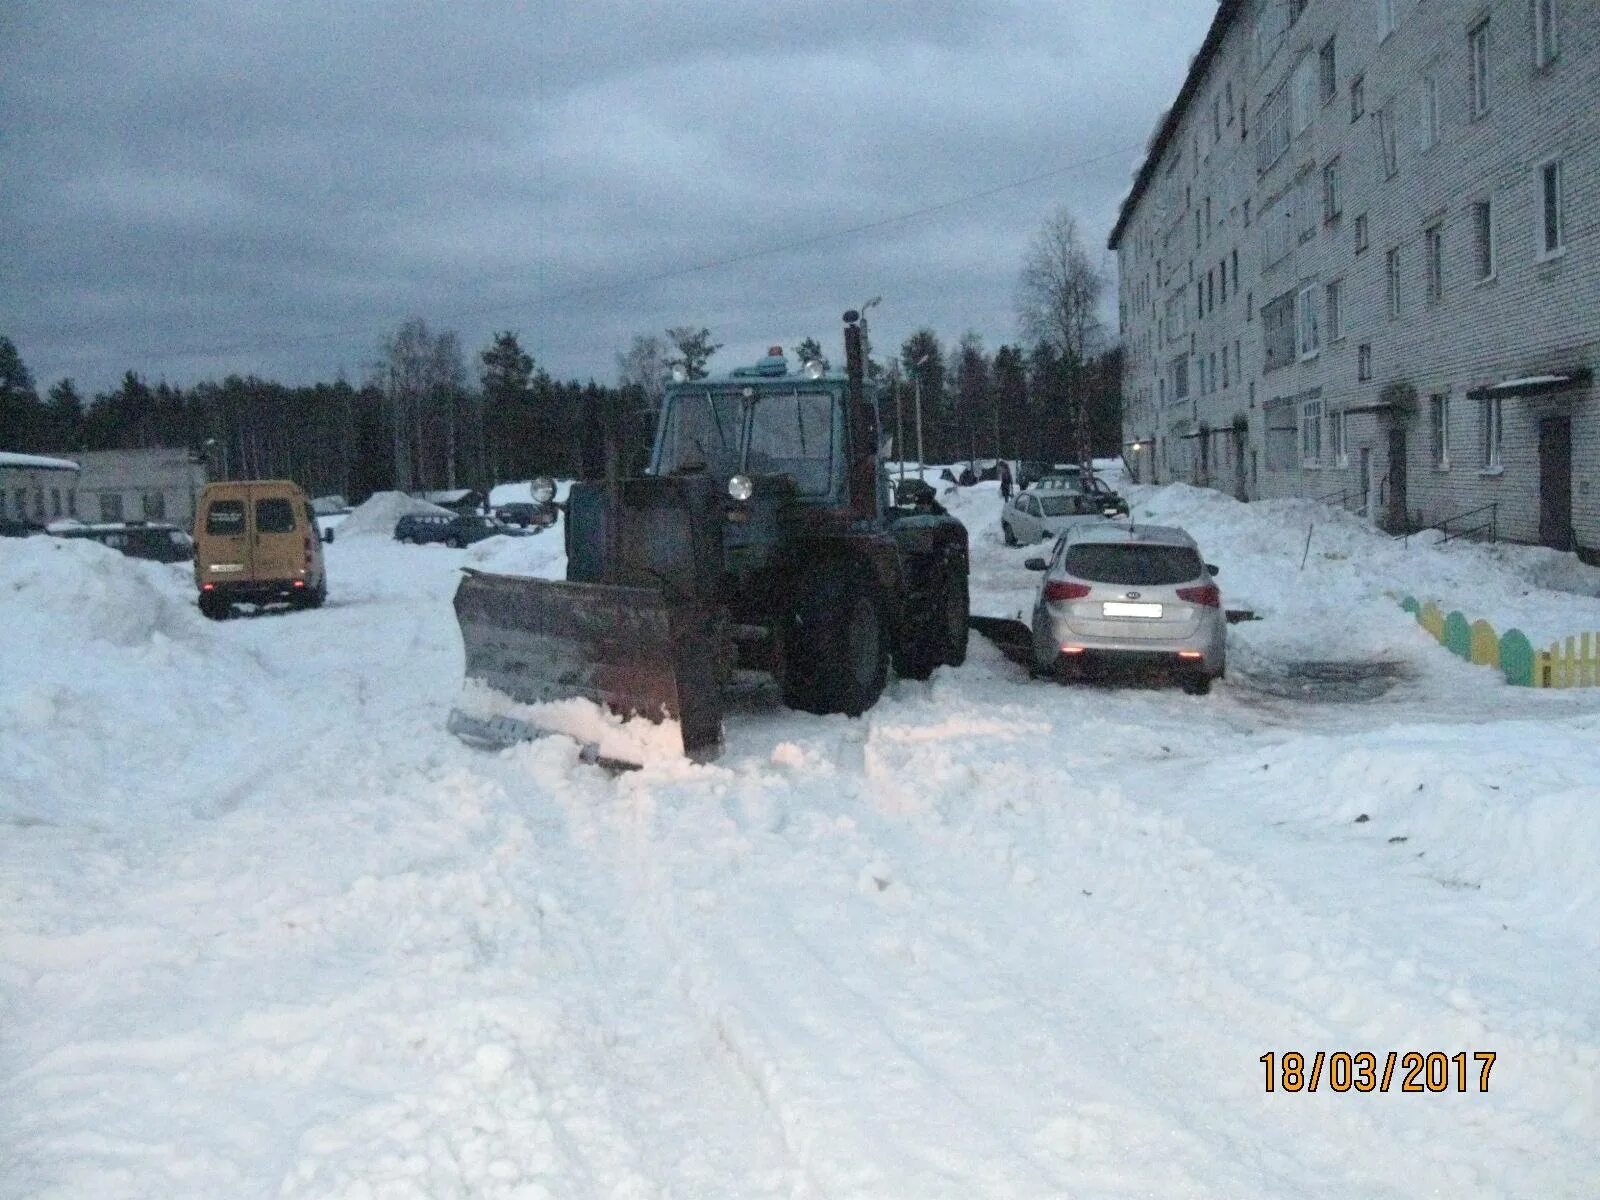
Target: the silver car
(1044, 512)
(1141, 594)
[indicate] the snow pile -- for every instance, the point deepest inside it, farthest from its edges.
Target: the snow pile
(541, 554)
(1341, 602)
(108, 680)
(379, 513)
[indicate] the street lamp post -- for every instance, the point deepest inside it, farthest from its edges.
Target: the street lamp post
(921, 462)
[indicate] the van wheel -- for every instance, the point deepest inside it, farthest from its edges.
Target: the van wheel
(214, 607)
(838, 622)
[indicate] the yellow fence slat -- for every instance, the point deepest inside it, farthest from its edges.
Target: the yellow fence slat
(1485, 644)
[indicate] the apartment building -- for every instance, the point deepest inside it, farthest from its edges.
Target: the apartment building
(1361, 261)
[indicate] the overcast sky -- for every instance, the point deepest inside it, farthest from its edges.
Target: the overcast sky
(241, 186)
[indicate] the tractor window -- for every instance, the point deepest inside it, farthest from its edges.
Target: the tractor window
(702, 433)
(793, 435)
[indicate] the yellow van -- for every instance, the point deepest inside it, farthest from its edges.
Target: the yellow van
(256, 542)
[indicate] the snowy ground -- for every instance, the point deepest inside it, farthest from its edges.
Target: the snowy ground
(265, 930)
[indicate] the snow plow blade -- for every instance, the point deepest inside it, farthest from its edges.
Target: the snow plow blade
(629, 648)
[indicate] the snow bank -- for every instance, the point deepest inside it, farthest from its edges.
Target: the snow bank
(382, 509)
(109, 678)
(542, 554)
(1342, 600)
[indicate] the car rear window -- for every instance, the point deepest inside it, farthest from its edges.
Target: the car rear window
(1132, 562)
(274, 516)
(225, 518)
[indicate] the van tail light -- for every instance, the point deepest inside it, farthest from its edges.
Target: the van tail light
(299, 583)
(1206, 594)
(208, 587)
(1057, 590)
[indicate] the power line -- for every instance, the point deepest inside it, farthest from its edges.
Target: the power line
(288, 340)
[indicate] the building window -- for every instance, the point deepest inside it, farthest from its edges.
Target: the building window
(1311, 433)
(1552, 226)
(1278, 331)
(154, 505)
(1433, 243)
(72, 503)
(1338, 447)
(1493, 432)
(1483, 238)
(1361, 233)
(1226, 374)
(1235, 257)
(1544, 32)
(1330, 190)
(1306, 206)
(1358, 97)
(1334, 303)
(1385, 18)
(1439, 419)
(1387, 150)
(1478, 68)
(1327, 71)
(1216, 120)
(1391, 266)
(1180, 377)
(1309, 321)
(111, 506)
(1227, 92)
(1274, 125)
(1303, 94)
(1364, 362)
(55, 502)
(1430, 112)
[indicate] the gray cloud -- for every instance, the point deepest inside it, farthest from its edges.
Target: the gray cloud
(207, 188)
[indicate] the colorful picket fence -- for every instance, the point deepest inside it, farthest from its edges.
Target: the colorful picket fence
(1566, 663)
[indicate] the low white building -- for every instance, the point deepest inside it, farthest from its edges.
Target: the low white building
(36, 489)
(161, 484)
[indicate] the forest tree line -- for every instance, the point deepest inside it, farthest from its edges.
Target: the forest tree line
(424, 420)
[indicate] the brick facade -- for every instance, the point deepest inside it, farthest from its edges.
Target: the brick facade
(1311, 146)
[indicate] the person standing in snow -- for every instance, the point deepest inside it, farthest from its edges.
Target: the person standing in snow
(1005, 481)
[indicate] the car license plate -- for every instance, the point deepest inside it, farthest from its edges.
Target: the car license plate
(1124, 608)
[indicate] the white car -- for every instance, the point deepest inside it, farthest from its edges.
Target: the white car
(1044, 512)
(1140, 595)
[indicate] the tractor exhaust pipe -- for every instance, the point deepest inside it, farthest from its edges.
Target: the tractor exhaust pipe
(863, 426)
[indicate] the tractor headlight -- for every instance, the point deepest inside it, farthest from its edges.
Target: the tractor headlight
(680, 373)
(543, 489)
(815, 368)
(741, 488)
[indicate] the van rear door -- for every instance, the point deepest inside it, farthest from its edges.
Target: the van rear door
(282, 542)
(224, 529)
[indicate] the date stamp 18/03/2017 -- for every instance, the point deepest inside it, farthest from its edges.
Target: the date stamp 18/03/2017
(1370, 1071)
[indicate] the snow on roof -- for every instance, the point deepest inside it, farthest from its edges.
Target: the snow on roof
(447, 497)
(35, 462)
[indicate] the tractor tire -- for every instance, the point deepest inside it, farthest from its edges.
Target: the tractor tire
(842, 664)
(944, 642)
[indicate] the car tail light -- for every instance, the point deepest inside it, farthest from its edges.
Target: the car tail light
(1206, 594)
(1190, 654)
(208, 587)
(1057, 590)
(1072, 649)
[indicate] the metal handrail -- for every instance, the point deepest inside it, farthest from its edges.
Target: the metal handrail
(1443, 524)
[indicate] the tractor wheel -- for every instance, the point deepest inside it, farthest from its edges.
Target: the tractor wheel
(943, 640)
(838, 626)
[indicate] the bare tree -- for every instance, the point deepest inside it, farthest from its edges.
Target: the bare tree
(1058, 298)
(423, 379)
(644, 366)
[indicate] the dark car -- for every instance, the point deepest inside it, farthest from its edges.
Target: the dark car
(526, 515)
(420, 529)
(136, 539)
(10, 528)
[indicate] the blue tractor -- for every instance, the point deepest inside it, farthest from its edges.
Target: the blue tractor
(763, 535)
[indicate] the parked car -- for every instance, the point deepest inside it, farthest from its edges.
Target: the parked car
(1139, 595)
(10, 528)
(526, 516)
(454, 531)
(1043, 512)
(257, 542)
(137, 539)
